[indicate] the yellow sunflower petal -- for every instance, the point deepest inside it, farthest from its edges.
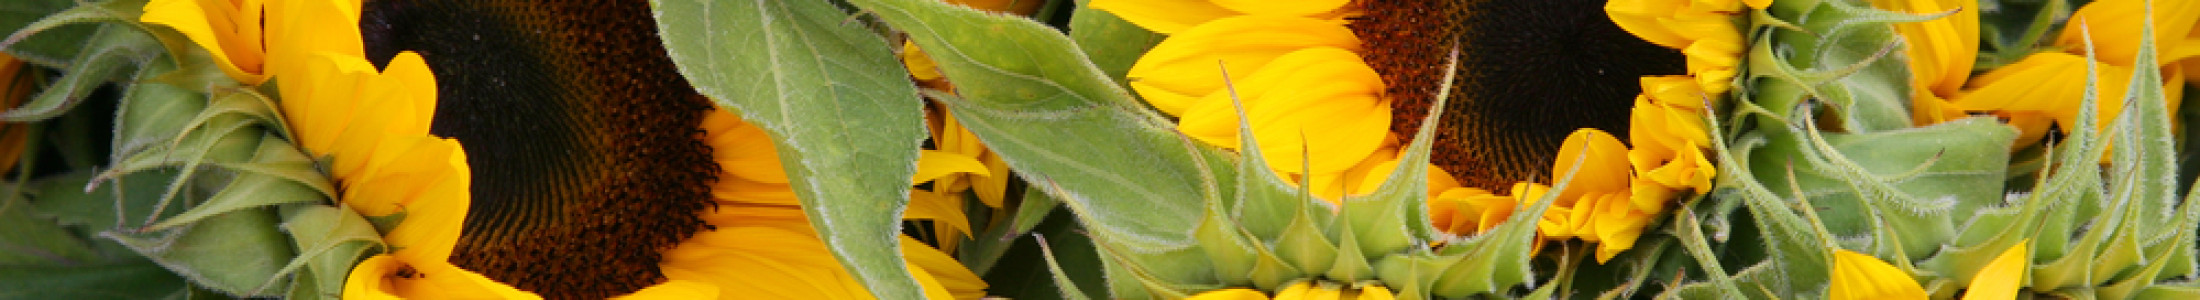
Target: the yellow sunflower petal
(1229, 294)
(770, 252)
(319, 102)
(1282, 8)
(739, 148)
(1860, 276)
(1164, 16)
(1316, 107)
(1718, 44)
(412, 75)
(2052, 84)
(1296, 291)
(2116, 25)
(366, 278)
(1618, 225)
(1323, 292)
(1602, 159)
(434, 211)
(933, 164)
(737, 190)
(760, 262)
(2031, 126)
(941, 208)
(2001, 278)
(298, 30)
(920, 66)
(227, 29)
(1496, 210)
(1189, 64)
(1369, 174)
(388, 277)
(1941, 51)
(1466, 211)
(1376, 292)
(1640, 17)
(951, 275)
(1649, 196)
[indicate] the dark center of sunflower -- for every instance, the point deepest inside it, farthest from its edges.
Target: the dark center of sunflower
(1530, 73)
(587, 159)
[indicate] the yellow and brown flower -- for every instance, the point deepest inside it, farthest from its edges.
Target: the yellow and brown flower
(535, 150)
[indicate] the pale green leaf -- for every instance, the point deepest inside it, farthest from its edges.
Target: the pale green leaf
(125, 279)
(842, 114)
(240, 253)
(330, 240)
(1061, 278)
(31, 239)
(1035, 208)
(52, 48)
(114, 49)
(252, 190)
(1030, 94)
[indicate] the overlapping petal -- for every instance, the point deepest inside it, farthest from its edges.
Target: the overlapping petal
(1188, 66)
(253, 40)
(230, 30)
(1317, 108)
(1941, 53)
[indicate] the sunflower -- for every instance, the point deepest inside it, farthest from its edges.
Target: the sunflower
(1331, 87)
(2044, 88)
(658, 194)
(1304, 290)
(373, 128)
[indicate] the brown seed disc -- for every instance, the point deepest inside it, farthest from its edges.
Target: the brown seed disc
(587, 159)
(1530, 73)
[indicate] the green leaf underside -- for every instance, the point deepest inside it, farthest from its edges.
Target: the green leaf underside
(845, 119)
(1031, 95)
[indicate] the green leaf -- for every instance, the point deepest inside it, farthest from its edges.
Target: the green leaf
(1032, 96)
(330, 240)
(115, 48)
(1848, 59)
(126, 279)
(240, 253)
(31, 239)
(2145, 152)
(71, 200)
(1035, 208)
(985, 250)
(841, 111)
(250, 190)
(1029, 93)
(54, 46)
(1062, 280)
(1022, 272)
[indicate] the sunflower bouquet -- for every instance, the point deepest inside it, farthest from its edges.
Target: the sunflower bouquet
(1079, 149)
